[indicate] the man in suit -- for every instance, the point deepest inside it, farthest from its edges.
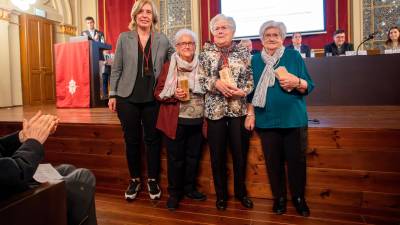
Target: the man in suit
(339, 46)
(296, 45)
(91, 32)
(20, 155)
(108, 60)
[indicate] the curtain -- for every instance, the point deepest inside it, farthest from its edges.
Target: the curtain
(114, 17)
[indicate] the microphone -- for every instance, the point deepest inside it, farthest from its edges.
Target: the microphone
(370, 37)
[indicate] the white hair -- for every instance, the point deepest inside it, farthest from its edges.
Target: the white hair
(183, 32)
(244, 42)
(269, 24)
(222, 17)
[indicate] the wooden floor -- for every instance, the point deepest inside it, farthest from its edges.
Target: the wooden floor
(114, 210)
(352, 162)
(327, 116)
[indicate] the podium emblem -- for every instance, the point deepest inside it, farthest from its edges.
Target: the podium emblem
(72, 87)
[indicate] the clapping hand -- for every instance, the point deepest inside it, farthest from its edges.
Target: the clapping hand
(39, 127)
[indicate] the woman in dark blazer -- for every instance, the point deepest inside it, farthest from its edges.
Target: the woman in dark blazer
(139, 58)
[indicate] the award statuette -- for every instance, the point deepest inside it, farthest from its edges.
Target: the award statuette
(225, 75)
(183, 83)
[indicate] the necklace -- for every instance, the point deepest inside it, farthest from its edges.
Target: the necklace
(147, 55)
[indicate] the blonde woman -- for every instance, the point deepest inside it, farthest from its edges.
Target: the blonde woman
(139, 57)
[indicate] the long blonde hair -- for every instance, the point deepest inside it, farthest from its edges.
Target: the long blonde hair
(136, 9)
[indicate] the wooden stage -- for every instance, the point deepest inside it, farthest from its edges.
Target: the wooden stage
(353, 168)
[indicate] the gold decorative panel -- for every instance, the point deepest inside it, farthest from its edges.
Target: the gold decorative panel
(175, 15)
(379, 16)
(67, 29)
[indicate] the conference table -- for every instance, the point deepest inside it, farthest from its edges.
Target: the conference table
(355, 80)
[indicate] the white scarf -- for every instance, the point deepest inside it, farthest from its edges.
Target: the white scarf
(267, 78)
(172, 76)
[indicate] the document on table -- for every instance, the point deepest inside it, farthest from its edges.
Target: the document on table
(45, 173)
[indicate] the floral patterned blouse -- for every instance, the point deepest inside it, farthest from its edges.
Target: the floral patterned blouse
(217, 105)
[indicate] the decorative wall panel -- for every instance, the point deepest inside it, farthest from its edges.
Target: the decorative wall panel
(379, 15)
(175, 15)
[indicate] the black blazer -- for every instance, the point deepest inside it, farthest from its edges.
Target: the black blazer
(332, 48)
(303, 49)
(18, 163)
(99, 34)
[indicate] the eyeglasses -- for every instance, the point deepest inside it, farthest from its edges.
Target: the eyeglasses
(185, 44)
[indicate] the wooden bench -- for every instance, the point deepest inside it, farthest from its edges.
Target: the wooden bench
(44, 205)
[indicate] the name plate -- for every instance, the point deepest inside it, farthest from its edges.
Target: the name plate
(350, 53)
(392, 51)
(362, 52)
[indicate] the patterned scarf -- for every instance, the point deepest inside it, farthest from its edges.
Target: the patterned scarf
(172, 76)
(267, 77)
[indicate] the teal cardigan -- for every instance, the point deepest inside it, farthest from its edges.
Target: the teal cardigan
(282, 109)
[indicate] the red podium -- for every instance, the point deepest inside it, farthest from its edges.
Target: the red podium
(78, 74)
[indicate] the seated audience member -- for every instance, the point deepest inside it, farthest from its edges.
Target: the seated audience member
(393, 38)
(91, 31)
(298, 46)
(20, 155)
(339, 46)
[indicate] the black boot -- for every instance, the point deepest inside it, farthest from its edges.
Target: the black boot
(301, 206)
(172, 203)
(246, 202)
(221, 204)
(279, 206)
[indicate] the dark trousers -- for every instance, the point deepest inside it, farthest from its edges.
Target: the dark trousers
(183, 159)
(133, 117)
(219, 133)
(80, 186)
(106, 78)
(282, 145)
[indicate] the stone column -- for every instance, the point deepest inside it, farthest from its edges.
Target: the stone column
(10, 63)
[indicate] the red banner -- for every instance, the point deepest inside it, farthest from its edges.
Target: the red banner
(72, 74)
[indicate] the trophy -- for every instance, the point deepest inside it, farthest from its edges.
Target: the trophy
(225, 75)
(183, 83)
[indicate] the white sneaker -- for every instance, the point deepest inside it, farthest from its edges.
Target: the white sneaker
(154, 189)
(132, 190)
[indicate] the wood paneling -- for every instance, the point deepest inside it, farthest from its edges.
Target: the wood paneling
(37, 60)
(348, 165)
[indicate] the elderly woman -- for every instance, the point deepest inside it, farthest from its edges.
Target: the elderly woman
(227, 79)
(181, 118)
(393, 38)
(138, 60)
(282, 81)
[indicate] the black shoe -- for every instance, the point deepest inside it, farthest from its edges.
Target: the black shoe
(172, 203)
(221, 204)
(132, 190)
(196, 195)
(246, 202)
(154, 189)
(301, 206)
(279, 206)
